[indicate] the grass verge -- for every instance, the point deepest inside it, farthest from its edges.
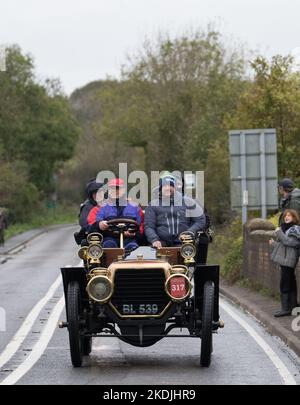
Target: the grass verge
(45, 217)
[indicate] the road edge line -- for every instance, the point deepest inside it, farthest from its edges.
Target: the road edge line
(39, 347)
(21, 334)
(278, 363)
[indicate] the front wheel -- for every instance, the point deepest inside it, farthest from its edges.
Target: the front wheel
(73, 315)
(87, 345)
(207, 324)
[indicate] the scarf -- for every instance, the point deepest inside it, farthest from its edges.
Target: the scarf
(285, 227)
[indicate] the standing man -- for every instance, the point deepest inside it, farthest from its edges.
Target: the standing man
(170, 214)
(290, 197)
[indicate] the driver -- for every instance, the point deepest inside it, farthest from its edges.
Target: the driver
(117, 206)
(170, 214)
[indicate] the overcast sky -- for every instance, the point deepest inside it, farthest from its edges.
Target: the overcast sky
(80, 41)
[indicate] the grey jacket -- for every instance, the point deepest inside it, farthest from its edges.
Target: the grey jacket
(286, 248)
(165, 220)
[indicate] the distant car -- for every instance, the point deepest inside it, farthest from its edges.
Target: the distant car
(140, 297)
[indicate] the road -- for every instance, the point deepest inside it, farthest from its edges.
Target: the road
(34, 351)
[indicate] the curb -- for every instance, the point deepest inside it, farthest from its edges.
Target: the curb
(270, 323)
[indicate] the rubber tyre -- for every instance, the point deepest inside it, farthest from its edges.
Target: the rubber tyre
(76, 341)
(87, 345)
(207, 324)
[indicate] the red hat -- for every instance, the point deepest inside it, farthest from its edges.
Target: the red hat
(116, 183)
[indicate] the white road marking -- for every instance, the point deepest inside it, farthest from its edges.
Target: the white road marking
(51, 325)
(26, 326)
(39, 347)
(280, 366)
(19, 337)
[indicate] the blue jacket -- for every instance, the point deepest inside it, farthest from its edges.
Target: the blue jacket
(112, 211)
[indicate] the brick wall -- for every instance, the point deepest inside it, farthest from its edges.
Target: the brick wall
(257, 265)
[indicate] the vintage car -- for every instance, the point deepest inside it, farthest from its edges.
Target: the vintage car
(140, 297)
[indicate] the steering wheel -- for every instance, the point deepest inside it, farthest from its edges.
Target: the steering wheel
(121, 225)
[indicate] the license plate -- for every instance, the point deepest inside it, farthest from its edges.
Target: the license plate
(140, 309)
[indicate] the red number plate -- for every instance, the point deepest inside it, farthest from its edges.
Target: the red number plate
(178, 287)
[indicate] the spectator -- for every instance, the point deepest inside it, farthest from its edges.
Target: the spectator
(290, 197)
(285, 252)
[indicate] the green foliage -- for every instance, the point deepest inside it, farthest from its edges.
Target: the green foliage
(172, 99)
(38, 132)
(167, 112)
(16, 193)
(226, 249)
(233, 262)
(63, 214)
(273, 101)
(217, 182)
(36, 122)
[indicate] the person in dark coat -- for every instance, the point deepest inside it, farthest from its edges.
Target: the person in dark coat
(290, 197)
(285, 252)
(3, 226)
(95, 195)
(170, 214)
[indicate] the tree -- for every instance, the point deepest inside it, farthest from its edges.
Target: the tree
(36, 122)
(172, 99)
(272, 100)
(38, 132)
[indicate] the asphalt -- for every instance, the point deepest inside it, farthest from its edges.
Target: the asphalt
(263, 308)
(237, 358)
(258, 305)
(21, 240)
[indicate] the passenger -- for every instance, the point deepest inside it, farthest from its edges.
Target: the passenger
(170, 214)
(92, 189)
(118, 207)
(92, 217)
(95, 194)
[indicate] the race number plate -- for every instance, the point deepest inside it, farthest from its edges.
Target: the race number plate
(178, 287)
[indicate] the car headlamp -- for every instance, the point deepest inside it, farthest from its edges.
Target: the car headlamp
(94, 252)
(82, 252)
(188, 251)
(99, 289)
